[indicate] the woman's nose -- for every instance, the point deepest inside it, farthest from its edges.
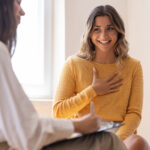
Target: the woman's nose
(103, 35)
(22, 13)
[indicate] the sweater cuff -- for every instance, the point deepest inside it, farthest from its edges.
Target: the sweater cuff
(90, 92)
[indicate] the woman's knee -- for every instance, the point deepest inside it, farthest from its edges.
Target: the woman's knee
(136, 142)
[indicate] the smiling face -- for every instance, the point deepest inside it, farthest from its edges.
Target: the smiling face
(103, 35)
(18, 11)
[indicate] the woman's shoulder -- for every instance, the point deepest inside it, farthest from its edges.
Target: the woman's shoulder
(3, 49)
(132, 61)
(76, 59)
(5, 60)
(132, 64)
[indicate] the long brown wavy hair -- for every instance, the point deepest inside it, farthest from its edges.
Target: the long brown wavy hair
(87, 50)
(8, 24)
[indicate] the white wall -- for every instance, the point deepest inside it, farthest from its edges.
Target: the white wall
(58, 40)
(137, 23)
(139, 39)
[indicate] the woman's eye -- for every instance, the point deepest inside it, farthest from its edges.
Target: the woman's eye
(110, 28)
(96, 29)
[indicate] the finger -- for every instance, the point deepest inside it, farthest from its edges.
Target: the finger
(95, 74)
(116, 85)
(92, 108)
(112, 76)
(99, 123)
(119, 80)
(112, 91)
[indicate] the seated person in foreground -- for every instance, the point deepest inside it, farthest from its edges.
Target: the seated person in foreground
(20, 126)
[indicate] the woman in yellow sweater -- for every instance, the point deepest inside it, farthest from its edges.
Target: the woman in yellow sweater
(104, 73)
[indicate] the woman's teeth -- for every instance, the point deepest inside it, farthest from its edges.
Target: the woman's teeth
(104, 42)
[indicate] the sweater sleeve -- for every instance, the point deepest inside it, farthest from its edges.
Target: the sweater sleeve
(20, 125)
(133, 114)
(67, 101)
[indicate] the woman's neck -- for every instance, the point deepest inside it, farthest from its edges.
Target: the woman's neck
(105, 58)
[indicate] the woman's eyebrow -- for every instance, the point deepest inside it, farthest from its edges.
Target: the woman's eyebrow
(97, 26)
(110, 25)
(106, 25)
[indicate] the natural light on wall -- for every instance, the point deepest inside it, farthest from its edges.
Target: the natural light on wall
(28, 60)
(40, 51)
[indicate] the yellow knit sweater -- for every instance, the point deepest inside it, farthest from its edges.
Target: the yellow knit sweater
(74, 93)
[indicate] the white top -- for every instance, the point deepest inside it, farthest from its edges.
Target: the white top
(20, 125)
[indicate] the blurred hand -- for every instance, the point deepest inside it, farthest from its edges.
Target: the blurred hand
(107, 85)
(87, 124)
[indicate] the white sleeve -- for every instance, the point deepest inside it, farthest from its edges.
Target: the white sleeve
(19, 123)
